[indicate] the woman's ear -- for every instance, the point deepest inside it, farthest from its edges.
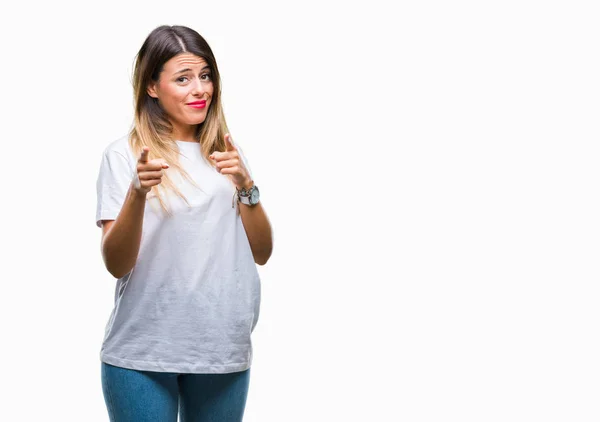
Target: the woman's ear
(151, 90)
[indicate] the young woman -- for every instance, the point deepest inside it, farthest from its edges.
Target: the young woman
(182, 230)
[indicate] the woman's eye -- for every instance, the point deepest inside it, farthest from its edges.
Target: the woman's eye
(182, 79)
(206, 76)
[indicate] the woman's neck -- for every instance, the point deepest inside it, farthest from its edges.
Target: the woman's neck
(186, 134)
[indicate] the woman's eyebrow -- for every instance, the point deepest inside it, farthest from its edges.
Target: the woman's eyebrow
(189, 70)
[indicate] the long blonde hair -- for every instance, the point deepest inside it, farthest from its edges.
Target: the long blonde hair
(151, 124)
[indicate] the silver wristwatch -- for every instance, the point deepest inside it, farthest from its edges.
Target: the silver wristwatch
(249, 196)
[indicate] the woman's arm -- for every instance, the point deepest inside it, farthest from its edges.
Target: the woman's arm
(259, 232)
(257, 226)
(121, 237)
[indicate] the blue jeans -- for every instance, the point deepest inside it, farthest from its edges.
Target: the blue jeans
(145, 396)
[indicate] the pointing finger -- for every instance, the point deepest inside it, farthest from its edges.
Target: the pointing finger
(228, 143)
(144, 156)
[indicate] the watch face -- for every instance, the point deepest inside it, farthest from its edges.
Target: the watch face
(254, 197)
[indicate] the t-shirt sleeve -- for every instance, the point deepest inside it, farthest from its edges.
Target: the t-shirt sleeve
(113, 182)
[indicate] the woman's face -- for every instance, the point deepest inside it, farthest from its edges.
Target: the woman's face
(184, 90)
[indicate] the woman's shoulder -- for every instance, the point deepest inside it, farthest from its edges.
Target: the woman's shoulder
(121, 147)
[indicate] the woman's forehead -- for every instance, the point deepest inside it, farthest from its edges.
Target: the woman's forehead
(185, 61)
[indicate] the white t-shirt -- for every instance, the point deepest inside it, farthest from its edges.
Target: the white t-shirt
(192, 299)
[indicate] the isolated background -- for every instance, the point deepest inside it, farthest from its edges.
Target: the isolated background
(430, 171)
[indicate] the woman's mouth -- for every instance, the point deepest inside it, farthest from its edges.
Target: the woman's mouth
(198, 104)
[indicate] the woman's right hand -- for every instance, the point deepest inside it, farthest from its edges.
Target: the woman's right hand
(149, 173)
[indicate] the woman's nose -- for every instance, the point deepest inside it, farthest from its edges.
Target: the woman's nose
(197, 87)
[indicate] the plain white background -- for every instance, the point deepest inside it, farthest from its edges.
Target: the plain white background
(430, 171)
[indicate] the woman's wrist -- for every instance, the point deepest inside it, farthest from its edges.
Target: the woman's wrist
(135, 194)
(247, 185)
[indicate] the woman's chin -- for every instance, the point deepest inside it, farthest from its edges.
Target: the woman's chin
(194, 122)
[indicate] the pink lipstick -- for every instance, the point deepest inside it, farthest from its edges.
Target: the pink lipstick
(198, 104)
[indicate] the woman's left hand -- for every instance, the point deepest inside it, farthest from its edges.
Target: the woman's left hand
(230, 163)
